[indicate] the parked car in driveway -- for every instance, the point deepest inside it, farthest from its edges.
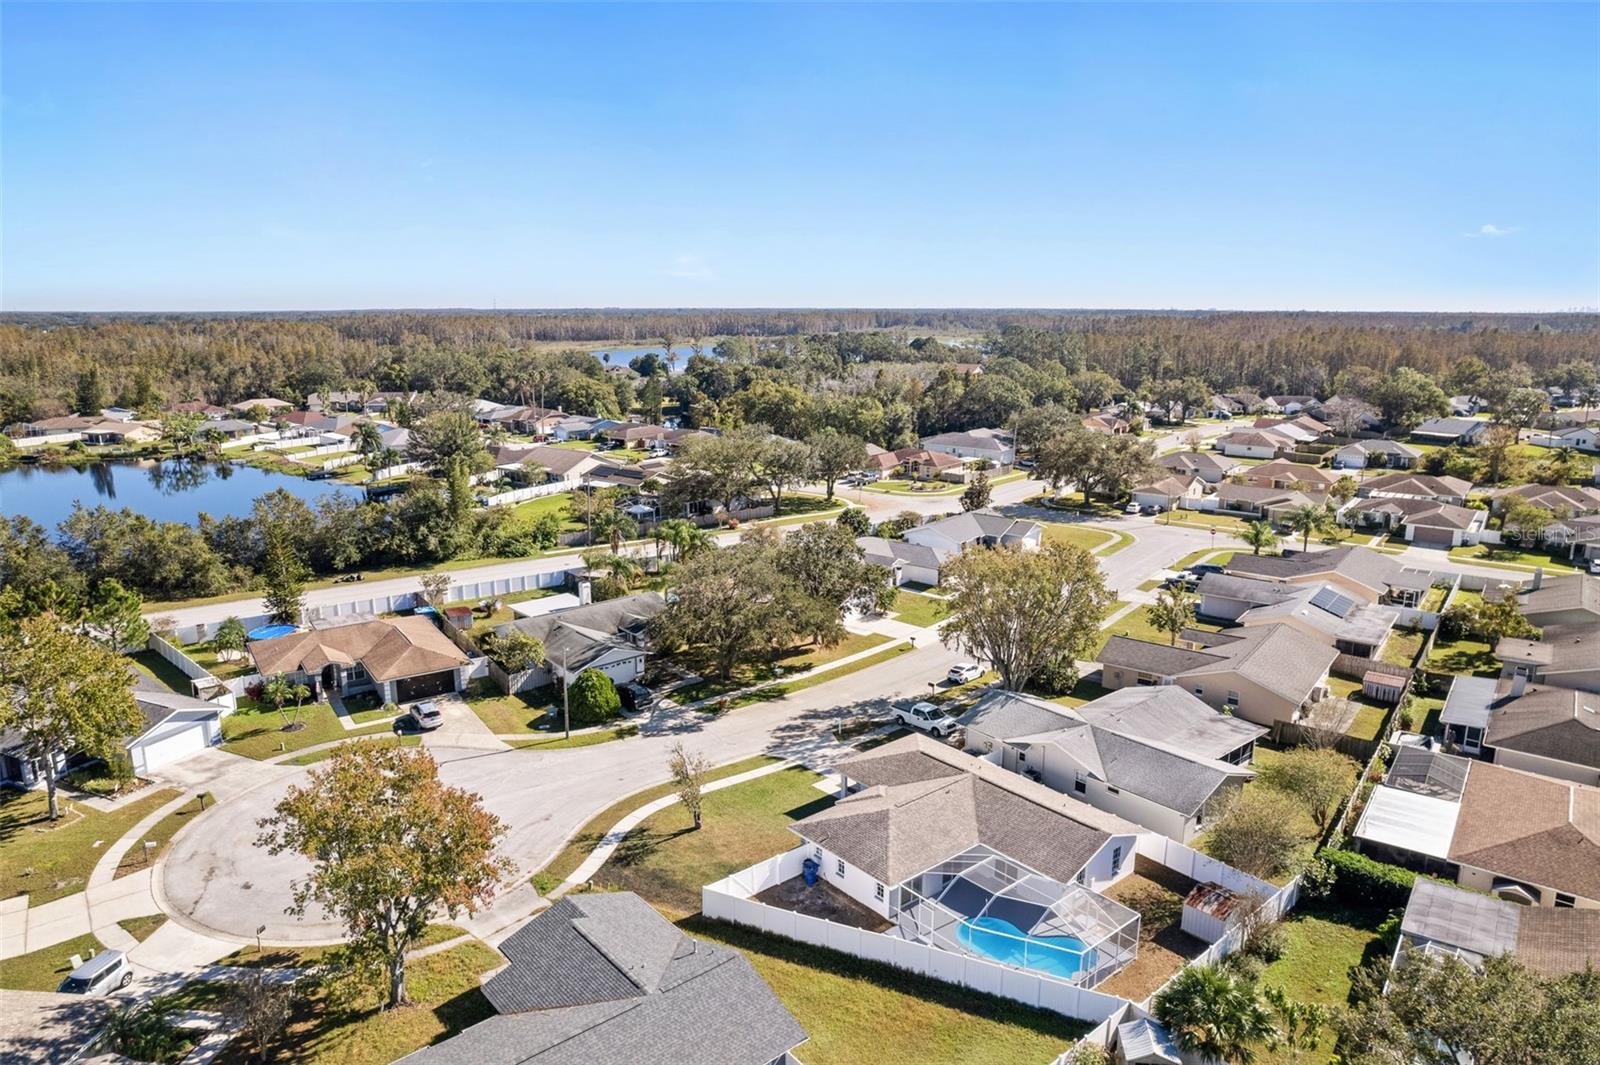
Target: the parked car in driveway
(962, 672)
(426, 716)
(929, 718)
(1131, 508)
(105, 972)
(635, 696)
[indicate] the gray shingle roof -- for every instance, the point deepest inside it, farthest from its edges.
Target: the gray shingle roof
(980, 524)
(1196, 462)
(1244, 589)
(603, 979)
(881, 552)
(1275, 656)
(579, 635)
(1174, 717)
(1556, 723)
(1360, 564)
(1147, 768)
(1005, 714)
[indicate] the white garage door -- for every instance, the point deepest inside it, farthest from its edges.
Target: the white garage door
(180, 743)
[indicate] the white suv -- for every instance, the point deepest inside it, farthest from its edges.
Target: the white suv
(929, 718)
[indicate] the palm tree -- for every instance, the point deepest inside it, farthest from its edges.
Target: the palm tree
(1171, 612)
(676, 533)
(1306, 519)
(368, 439)
(1214, 1015)
(1259, 535)
(615, 525)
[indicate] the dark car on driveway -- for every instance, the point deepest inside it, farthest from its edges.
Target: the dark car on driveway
(636, 697)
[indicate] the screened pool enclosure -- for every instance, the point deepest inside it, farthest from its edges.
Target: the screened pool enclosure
(984, 904)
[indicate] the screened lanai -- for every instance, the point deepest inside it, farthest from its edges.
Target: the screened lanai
(985, 904)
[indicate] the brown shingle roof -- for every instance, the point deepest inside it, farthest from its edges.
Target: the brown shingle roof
(389, 648)
(1530, 828)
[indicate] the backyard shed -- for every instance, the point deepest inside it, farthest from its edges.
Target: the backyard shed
(1210, 910)
(1146, 1042)
(1384, 687)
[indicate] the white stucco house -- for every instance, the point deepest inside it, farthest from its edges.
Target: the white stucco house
(982, 528)
(995, 445)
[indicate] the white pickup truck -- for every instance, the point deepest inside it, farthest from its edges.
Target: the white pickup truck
(929, 718)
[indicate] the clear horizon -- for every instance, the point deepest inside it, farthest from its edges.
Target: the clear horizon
(254, 158)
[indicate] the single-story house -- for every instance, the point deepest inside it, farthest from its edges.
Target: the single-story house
(932, 838)
(543, 464)
(1566, 656)
(995, 445)
(117, 431)
(266, 403)
(1302, 430)
(1376, 455)
(1292, 404)
(1561, 500)
(880, 462)
(1465, 406)
(1450, 431)
(1156, 756)
(1547, 730)
(1247, 402)
(1445, 920)
(1226, 597)
(982, 528)
(1109, 424)
(1370, 575)
(530, 421)
(404, 658)
(1221, 406)
(610, 636)
(1265, 674)
(1515, 835)
(1329, 616)
(919, 464)
(573, 427)
(1566, 599)
(199, 406)
(1272, 504)
(908, 563)
(1205, 465)
(603, 977)
(1424, 521)
(638, 435)
(1169, 493)
(1253, 444)
(176, 727)
(1452, 490)
(1578, 437)
(1281, 473)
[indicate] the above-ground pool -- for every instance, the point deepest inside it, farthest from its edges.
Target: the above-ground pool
(267, 632)
(991, 937)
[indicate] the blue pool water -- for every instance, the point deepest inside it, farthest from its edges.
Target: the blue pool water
(268, 632)
(1063, 956)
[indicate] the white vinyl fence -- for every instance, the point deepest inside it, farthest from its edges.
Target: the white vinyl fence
(343, 460)
(397, 470)
(200, 679)
(729, 900)
(518, 495)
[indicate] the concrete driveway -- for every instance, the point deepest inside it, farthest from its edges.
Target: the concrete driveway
(216, 879)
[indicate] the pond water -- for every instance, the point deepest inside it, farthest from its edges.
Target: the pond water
(623, 356)
(165, 491)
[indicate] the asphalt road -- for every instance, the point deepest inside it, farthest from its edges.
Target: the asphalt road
(216, 879)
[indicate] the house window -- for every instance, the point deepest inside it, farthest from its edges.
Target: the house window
(1112, 791)
(1200, 691)
(1233, 699)
(1022, 756)
(1079, 785)
(1079, 879)
(1565, 902)
(838, 869)
(1116, 859)
(877, 892)
(817, 854)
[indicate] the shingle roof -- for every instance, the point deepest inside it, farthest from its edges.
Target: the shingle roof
(1171, 715)
(1428, 513)
(881, 552)
(893, 832)
(1245, 589)
(1276, 656)
(1006, 714)
(1360, 564)
(979, 524)
(1574, 499)
(1530, 828)
(1447, 427)
(604, 979)
(1567, 592)
(1563, 647)
(389, 648)
(573, 638)
(1196, 461)
(1144, 767)
(1421, 485)
(1556, 723)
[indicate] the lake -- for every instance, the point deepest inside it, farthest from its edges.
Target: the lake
(623, 356)
(165, 491)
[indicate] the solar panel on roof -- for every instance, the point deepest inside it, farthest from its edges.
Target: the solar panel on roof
(1333, 602)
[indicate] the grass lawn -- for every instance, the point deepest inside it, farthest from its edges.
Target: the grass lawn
(795, 660)
(154, 665)
(786, 688)
(920, 610)
(141, 928)
(259, 734)
(1425, 711)
(589, 836)
(1082, 692)
(1076, 501)
(1082, 536)
(1501, 555)
(522, 712)
(1304, 825)
(1434, 600)
(161, 834)
(44, 969)
(47, 862)
(558, 741)
(1205, 554)
(1465, 656)
(1322, 944)
(1467, 597)
(1137, 625)
(445, 995)
(1402, 646)
(1203, 519)
(313, 757)
(901, 487)
(860, 1011)
(1369, 719)
(523, 515)
(667, 862)
(207, 659)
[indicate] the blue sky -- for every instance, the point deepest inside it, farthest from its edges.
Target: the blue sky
(232, 156)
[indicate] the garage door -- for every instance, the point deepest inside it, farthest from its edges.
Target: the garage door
(427, 684)
(191, 739)
(1439, 537)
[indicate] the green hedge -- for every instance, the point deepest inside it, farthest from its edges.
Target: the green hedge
(1360, 881)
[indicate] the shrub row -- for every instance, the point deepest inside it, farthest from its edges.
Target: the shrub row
(1358, 880)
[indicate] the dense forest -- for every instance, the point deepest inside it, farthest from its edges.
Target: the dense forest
(145, 360)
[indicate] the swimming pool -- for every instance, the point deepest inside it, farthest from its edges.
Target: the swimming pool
(991, 937)
(267, 632)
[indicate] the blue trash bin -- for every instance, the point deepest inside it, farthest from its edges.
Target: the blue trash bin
(808, 869)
